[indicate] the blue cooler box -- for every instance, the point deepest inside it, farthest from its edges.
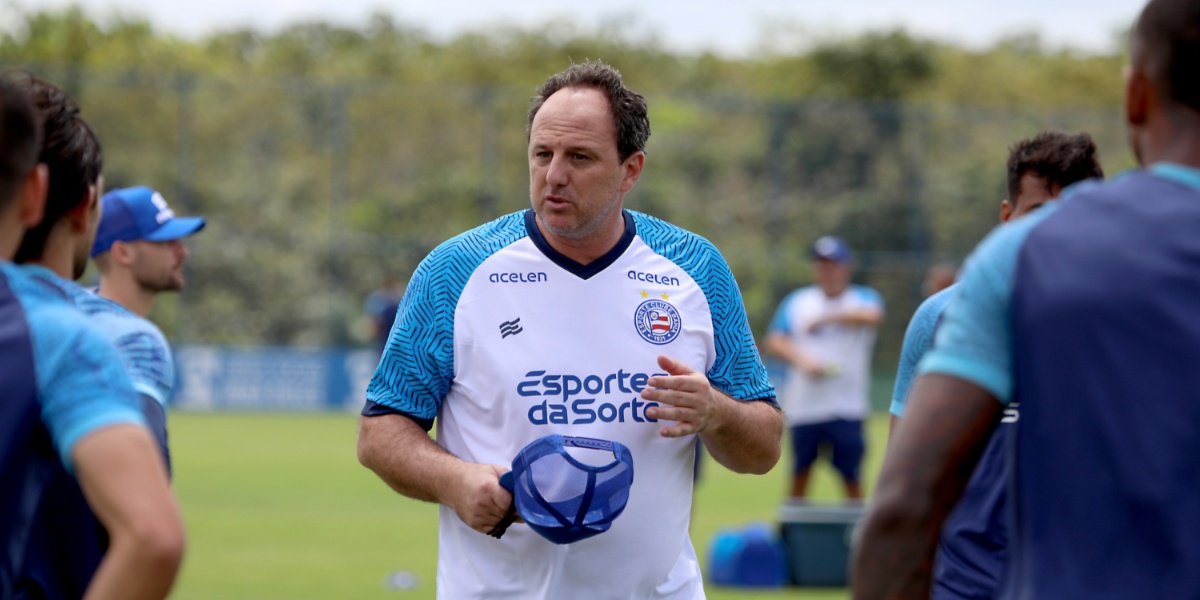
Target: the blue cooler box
(818, 542)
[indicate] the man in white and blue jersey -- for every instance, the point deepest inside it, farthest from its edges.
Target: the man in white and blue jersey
(576, 317)
(974, 544)
(73, 445)
(1086, 314)
(825, 333)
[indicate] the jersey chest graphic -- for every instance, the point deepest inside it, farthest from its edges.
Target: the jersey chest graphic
(562, 350)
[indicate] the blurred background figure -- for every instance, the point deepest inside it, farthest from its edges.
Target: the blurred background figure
(381, 307)
(826, 332)
(938, 278)
(139, 249)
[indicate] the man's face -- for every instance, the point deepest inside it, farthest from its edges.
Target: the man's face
(158, 266)
(1034, 192)
(576, 178)
(831, 276)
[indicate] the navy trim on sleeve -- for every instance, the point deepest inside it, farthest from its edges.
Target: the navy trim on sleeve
(371, 409)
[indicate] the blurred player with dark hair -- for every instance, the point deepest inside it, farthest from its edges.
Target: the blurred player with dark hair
(1039, 168)
(974, 544)
(73, 444)
(1087, 314)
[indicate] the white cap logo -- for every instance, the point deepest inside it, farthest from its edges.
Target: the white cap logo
(164, 213)
(827, 246)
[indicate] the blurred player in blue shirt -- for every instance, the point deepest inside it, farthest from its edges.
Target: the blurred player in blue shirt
(72, 440)
(973, 549)
(140, 253)
(1087, 314)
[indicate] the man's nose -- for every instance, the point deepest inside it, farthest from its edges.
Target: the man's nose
(558, 173)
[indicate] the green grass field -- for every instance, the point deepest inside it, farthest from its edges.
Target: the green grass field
(277, 507)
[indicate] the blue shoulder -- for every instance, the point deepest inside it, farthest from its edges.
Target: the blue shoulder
(867, 295)
(450, 265)
(738, 368)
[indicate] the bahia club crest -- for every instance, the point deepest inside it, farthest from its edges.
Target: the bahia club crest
(657, 321)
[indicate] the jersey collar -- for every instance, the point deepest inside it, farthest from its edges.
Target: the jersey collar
(579, 270)
(1181, 174)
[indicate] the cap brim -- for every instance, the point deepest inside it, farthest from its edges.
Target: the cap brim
(179, 227)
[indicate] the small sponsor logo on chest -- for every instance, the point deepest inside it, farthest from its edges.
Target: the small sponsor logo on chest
(653, 278)
(513, 277)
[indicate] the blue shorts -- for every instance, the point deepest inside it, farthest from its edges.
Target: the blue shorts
(843, 438)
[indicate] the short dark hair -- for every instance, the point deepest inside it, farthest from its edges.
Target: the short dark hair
(72, 153)
(628, 107)
(1166, 43)
(20, 139)
(1059, 158)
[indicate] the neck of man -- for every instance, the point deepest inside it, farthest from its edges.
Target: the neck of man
(1174, 138)
(125, 291)
(832, 293)
(584, 250)
(10, 236)
(59, 253)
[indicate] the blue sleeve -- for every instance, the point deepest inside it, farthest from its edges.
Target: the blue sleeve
(868, 295)
(149, 363)
(918, 339)
(82, 384)
(139, 343)
(974, 341)
(374, 305)
(417, 366)
(781, 322)
(738, 369)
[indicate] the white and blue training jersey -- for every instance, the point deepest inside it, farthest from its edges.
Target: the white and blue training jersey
(503, 340)
(845, 350)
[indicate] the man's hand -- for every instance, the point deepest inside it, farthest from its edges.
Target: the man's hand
(686, 397)
(820, 322)
(812, 368)
(479, 499)
(404, 457)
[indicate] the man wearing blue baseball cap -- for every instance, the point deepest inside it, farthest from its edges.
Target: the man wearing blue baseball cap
(139, 254)
(138, 248)
(825, 332)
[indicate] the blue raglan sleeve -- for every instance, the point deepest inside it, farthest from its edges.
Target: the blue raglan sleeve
(82, 383)
(781, 322)
(870, 297)
(417, 366)
(148, 360)
(974, 340)
(918, 339)
(738, 369)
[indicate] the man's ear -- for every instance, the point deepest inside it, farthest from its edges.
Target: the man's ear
(122, 253)
(32, 199)
(1138, 91)
(633, 170)
(80, 214)
(1006, 210)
